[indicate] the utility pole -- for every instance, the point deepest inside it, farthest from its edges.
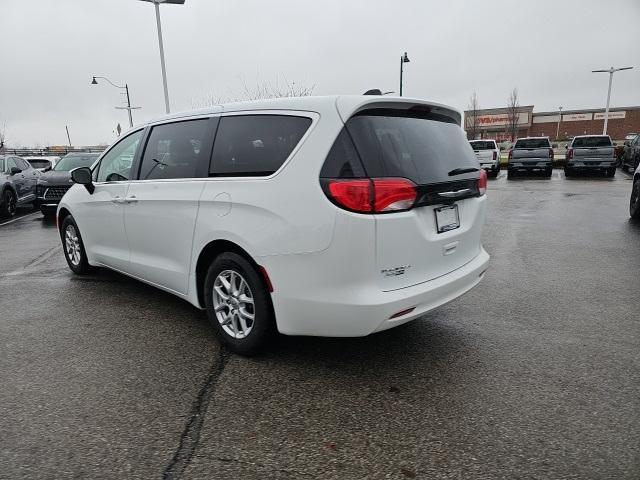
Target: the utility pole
(68, 136)
(610, 71)
(403, 59)
(559, 120)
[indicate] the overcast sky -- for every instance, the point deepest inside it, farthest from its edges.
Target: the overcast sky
(546, 48)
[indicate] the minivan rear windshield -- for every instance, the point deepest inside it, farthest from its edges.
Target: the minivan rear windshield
(583, 142)
(424, 148)
(533, 143)
(482, 145)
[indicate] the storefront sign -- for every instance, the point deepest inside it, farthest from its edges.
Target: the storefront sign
(499, 120)
(612, 115)
(577, 117)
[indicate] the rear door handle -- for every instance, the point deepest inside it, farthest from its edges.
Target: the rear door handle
(117, 199)
(131, 199)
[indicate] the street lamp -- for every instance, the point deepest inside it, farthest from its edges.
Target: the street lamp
(610, 71)
(161, 46)
(403, 59)
(126, 89)
(559, 120)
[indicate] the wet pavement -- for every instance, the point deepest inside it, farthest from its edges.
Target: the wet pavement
(533, 374)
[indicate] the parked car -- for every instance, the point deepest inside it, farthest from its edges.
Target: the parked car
(328, 216)
(590, 153)
(42, 163)
(17, 184)
(488, 154)
(631, 155)
(634, 201)
(53, 184)
(530, 154)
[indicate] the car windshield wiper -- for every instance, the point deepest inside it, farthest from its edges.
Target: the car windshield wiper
(460, 171)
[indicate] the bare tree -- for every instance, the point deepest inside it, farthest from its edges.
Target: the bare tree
(471, 120)
(513, 113)
(279, 88)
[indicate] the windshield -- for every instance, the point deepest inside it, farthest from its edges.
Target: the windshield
(70, 162)
(422, 148)
(482, 145)
(585, 142)
(533, 143)
(39, 163)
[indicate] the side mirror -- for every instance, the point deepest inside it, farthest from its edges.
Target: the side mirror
(14, 171)
(47, 168)
(82, 175)
(566, 147)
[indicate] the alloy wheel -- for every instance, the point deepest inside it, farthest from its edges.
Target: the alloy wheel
(233, 304)
(72, 245)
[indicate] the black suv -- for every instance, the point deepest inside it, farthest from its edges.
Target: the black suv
(17, 184)
(631, 154)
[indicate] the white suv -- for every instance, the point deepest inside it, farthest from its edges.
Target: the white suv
(330, 216)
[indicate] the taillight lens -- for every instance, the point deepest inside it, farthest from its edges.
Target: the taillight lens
(510, 154)
(482, 182)
(570, 154)
(551, 153)
(495, 154)
(378, 195)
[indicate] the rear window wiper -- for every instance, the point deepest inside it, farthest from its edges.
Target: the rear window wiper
(460, 171)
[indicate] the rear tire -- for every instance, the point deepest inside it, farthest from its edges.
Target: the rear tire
(567, 172)
(634, 202)
(611, 172)
(9, 204)
(73, 247)
(510, 174)
(238, 304)
(548, 172)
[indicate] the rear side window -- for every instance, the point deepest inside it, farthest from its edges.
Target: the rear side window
(423, 148)
(533, 143)
(585, 142)
(174, 150)
(255, 145)
(480, 145)
(342, 161)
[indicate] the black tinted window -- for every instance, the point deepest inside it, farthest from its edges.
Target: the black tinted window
(255, 145)
(585, 142)
(23, 164)
(174, 150)
(40, 163)
(342, 161)
(533, 143)
(482, 145)
(423, 149)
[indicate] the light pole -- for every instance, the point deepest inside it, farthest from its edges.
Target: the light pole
(157, 3)
(403, 59)
(559, 120)
(610, 71)
(128, 108)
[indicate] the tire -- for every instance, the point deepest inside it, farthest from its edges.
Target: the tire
(510, 174)
(548, 172)
(611, 172)
(567, 172)
(73, 247)
(493, 174)
(8, 204)
(231, 275)
(634, 201)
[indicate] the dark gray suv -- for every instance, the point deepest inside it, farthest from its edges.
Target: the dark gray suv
(17, 184)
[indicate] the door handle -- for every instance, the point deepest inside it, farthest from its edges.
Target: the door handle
(117, 199)
(131, 199)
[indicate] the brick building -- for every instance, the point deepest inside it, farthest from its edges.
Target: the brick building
(493, 123)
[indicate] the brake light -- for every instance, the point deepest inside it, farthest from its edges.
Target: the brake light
(495, 154)
(570, 154)
(378, 195)
(482, 182)
(551, 153)
(510, 153)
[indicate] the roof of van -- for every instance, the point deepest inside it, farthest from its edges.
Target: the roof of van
(346, 105)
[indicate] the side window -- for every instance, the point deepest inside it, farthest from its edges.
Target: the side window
(342, 161)
(23, 164)
(11, 162)
(255, 145)
(116, 164)
(174, 150)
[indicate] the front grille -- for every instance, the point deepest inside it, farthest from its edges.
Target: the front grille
(55, 193)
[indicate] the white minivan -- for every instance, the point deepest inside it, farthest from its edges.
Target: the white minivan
(329, 216)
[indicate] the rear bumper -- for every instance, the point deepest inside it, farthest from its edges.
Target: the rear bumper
(591, 165)
(530, 165)
(359, 312)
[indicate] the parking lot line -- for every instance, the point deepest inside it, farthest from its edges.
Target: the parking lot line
(19, 218)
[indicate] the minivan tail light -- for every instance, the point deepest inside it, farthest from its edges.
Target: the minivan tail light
(495, 154)
(482, 182)
(378, 195)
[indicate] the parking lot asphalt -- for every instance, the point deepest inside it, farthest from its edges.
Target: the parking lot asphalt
(533, 374)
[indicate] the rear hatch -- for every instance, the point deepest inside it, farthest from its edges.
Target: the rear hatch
(593, 149)
(441, 229)
(484, 150)
(530, 149)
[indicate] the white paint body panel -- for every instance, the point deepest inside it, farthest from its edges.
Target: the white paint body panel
(323, 262)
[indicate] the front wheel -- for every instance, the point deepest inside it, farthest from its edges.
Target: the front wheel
(238, 304)
(9, 204)
(73, 247)
(634, 203)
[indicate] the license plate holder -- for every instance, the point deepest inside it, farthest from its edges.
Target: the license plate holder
(447, 218)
